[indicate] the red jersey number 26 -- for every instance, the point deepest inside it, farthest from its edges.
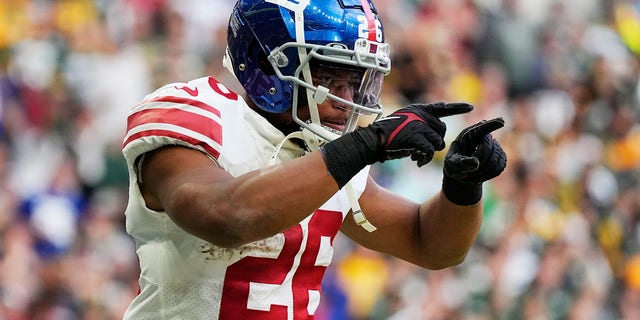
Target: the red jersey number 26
(287, 287)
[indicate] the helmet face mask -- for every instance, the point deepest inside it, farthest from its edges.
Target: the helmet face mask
(298, 37)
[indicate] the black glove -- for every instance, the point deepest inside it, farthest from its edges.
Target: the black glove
(414, 130)
(473, 157)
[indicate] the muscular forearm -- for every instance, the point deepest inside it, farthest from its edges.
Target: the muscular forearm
(234, 211)
(448, 230)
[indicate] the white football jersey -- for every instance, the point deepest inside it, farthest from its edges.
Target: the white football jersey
(185, 277)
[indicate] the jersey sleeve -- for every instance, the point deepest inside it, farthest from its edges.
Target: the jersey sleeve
(177, 114)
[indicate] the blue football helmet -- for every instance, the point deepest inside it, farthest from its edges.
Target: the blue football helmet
(271, 45)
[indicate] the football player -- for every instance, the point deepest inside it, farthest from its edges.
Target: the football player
(236, 197)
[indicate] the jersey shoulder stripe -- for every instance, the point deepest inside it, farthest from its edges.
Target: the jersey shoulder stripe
(179, 101)
(189, 138)
(181, 118)
(168, 119)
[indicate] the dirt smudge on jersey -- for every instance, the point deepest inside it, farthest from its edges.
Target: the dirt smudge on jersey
(264, 248)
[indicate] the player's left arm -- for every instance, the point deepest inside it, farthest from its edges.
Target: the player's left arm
(439, 232)
(435, 234)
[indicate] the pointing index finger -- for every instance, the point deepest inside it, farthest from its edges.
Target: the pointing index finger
(449, 109)
(476, 133)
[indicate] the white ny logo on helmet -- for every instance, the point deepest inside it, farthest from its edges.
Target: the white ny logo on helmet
(293, 5)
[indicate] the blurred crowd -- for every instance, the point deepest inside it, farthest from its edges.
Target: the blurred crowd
(561, 233)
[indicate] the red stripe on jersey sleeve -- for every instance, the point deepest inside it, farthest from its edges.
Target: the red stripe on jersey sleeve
(176, 135)
(177, 117)
(184, 119)
(187, 101)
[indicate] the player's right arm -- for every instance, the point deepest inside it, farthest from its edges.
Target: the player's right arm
(228, 211)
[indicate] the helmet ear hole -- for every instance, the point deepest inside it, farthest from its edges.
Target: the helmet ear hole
(264, 64)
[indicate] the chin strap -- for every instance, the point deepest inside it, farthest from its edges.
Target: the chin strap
(358, 215)
(312, 140)
(305, 134)
(292, 135)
